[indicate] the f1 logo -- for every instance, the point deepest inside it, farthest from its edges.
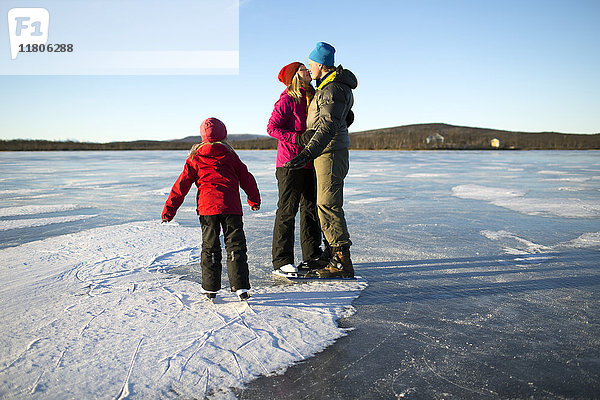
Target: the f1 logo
(27, 26)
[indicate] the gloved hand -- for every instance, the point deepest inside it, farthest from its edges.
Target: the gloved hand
(299, 161)
(303, 138)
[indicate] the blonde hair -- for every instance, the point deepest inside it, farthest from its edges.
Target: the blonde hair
(293, 90)
(197, 146)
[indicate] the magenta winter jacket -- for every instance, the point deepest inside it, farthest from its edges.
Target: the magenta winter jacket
(288, 119)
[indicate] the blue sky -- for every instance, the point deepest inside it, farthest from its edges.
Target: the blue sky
(514, 65)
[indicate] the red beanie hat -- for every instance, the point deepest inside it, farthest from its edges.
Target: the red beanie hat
(213, 130)
(287, 73)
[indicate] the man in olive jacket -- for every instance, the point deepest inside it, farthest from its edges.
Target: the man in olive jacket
(326, 140)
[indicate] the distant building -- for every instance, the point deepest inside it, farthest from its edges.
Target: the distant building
(495, 143)
(435, 139)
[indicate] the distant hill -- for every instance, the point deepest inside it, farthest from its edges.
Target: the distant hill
(230, 138)
(408, 137)
(450, 137)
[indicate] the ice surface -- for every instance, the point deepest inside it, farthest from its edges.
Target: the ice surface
(469, 257)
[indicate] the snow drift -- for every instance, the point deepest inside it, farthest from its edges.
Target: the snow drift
(105, 313)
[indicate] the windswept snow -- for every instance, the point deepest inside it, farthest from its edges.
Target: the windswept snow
(478, 192)
(111, 302)
(33, 222)
(424, 175)
(591, 239)
(26, 211)
(37, 209)
(16, 193)
(517, 200)
(522, 246)
(372, 200)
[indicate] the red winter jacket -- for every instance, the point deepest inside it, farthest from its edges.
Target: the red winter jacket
(218, 173)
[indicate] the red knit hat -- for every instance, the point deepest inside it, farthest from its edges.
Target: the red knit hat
(287, 73)
(213, 130)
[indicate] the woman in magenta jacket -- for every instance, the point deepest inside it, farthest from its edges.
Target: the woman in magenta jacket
(297, 188)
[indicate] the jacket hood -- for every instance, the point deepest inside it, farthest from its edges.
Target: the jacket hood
(346, 77)
(210, 150)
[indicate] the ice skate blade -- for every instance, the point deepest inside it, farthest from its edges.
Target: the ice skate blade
(310, 277)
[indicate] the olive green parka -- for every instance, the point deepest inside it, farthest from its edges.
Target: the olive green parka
(330, 114)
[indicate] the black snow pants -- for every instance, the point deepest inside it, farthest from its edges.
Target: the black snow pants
(235, 246)
(297, 188)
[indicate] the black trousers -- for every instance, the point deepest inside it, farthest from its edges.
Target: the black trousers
(297, 189)
(235, 246)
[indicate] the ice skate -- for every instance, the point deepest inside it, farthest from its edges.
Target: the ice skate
(316, 263)
(307, 265)
(288, 270)
(340, 265)
(243, 294)
(208, 293)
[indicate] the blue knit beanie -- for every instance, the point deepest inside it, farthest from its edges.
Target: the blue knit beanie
(323, 54)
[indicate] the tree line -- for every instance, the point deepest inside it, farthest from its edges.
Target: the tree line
(408, 137)
(449, 137)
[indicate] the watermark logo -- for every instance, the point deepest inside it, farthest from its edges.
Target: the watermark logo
(109, 45)
(27, 26)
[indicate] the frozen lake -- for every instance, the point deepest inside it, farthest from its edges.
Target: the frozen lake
(482, 271)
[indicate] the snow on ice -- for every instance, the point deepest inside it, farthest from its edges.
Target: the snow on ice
(27, 210)
(515, 200)
(106, 301)
(33, 222)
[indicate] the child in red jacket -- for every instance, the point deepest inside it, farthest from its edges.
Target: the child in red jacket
(218, 173)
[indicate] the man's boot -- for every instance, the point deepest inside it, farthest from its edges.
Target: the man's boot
(340, 265)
